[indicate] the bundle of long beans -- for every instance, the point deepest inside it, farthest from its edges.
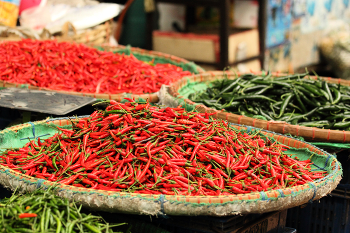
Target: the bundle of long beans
(293, 99)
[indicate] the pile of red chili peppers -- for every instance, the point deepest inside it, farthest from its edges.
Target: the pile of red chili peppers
(135, 147)
(78, 68)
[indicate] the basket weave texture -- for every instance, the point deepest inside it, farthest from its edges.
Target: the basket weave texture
(99, 34)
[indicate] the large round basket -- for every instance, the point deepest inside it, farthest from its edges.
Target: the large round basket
(256, 202)
(141, 54)
(172, 97)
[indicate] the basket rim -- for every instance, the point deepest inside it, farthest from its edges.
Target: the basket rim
(222, 199)
(153, 97)
(176, 86)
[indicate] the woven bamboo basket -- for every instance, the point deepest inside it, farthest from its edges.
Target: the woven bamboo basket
(17, 33)
(99, 34)
(309, 133)
(141, 54)
(256, 202)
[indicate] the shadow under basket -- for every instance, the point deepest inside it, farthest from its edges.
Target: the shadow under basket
(344, 159)
(273, 222)
(327, 215)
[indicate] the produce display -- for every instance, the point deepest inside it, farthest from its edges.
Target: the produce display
(295, 99)
(65, 66)
(43, 211)
(139, 148)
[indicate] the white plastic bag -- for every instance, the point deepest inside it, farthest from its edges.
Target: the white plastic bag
(53, 17)
(36, 17)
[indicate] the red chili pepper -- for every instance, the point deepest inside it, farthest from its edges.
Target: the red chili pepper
(69, 180)
(27, 215)
(195, 151)
(85, 140)
(63, 147)
(209, 181)
(68, 132)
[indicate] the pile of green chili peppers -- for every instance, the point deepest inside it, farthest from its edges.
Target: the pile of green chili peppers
(53, 214)
(295, 99)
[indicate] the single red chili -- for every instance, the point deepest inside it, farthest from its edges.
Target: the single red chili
(27, 215)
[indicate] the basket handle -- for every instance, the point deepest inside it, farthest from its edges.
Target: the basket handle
(68, 28)
(45, 34)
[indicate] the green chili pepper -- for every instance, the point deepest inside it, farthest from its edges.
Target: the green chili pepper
(293, 106)
(301, 105)
(308, 101)
(252, 97)
(315, 123)
(337, 95)
(291, 77)
(311, 89)
(47, 218)
(341, 125)
(54, 162)
(227, 96)
(239, 85)
(42, 220)
(210, 92)
(229, 87)
(92, 228)
(114, 112)
(304, 91)
(285, 103)
(56, 147)
(263, 90)
(326, 88)
(325, 94)
(336, 117)
(59, 224)
(268, 117)
(249, 77)
(254, 88)
(232, 104)
(283, 84)
(295, 119)
(333, 108)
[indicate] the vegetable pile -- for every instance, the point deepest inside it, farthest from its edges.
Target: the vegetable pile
(292, 98)
(78, 68)
(42, 211)
(135, 147)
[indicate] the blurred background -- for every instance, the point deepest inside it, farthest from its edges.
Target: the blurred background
(276, 35)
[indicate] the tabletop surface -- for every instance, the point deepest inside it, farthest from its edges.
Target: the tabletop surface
(42, 101)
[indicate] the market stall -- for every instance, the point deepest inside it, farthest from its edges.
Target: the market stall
(96, 136)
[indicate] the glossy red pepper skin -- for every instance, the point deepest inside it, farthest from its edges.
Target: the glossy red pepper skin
(27, 215)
